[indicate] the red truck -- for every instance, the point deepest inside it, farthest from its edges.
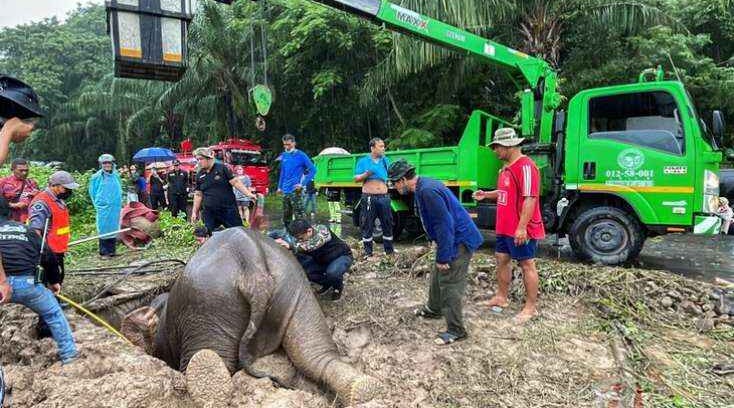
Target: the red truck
(243, 154)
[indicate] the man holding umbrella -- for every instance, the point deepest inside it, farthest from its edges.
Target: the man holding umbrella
(105, 190)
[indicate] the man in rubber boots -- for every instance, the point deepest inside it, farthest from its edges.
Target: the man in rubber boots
(296, 171)
(371, 170)
(519, 221)
(49, 215)
(450, 226)
(21, 249)
(105, 190)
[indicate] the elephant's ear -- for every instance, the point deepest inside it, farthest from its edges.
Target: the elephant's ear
(257, 289)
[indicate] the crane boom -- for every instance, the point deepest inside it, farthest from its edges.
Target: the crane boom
(540, 97)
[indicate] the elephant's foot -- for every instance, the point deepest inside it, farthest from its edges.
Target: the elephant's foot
(208, 380)
(350, 385)
(362, 389)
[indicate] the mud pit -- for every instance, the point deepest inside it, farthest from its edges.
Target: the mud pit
(567, 357)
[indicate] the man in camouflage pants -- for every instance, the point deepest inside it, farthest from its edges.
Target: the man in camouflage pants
(296, 171)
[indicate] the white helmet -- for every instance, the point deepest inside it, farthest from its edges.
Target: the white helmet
(106, 158)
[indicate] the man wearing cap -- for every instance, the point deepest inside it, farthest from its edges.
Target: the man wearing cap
(19, 113)
(450, 226)
(214, 194)
(48, 215)
(519, 221)
(296, 171)
(177, 189)
(18, 189)
(105, 190)
(371, 170)
(21, 248)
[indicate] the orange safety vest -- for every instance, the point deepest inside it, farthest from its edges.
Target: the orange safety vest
(59, 232)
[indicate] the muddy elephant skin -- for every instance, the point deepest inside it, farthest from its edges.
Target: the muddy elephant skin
(243, 296)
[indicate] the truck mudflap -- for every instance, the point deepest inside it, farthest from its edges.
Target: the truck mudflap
(706, 224)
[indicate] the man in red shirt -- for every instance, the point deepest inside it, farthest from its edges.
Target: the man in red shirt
(519, 221)
(19, 190)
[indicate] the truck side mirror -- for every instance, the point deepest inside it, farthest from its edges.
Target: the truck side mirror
(718, 126)
(559, 124)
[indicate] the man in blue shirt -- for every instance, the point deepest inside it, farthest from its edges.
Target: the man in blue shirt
(450, 226)
(296, 171)
(375, 202)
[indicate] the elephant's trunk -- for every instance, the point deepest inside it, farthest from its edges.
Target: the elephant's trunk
(308, 343)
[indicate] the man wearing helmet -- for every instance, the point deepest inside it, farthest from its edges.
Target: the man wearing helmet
(105, 190)
(19, 111)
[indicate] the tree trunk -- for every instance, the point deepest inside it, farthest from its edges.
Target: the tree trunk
(231, 115)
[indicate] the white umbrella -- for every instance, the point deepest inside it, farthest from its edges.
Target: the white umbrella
(334, 151)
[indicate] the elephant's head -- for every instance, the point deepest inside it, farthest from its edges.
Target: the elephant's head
(140, 326)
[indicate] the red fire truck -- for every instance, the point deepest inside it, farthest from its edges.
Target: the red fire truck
(242, 154)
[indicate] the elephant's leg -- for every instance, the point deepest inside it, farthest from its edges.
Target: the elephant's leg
(309, 345)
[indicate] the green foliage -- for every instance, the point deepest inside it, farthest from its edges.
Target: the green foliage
(338, 80)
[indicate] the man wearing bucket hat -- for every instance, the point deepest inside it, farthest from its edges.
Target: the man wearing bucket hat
(19, 112)
(519, 221)
(213, 193)
(446, 223)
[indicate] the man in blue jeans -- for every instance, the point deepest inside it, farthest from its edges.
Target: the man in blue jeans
(324, 257)
(20, 249)
(375, 202)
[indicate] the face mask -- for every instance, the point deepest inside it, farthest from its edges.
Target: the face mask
(403, 190)
(65, 195)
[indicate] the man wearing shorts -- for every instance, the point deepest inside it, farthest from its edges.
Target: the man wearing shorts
(519, 221)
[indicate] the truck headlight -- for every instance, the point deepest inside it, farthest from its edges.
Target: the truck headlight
(710, 191)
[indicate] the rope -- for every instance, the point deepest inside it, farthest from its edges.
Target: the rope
(95, 318)
(127, 274)
(263, 41)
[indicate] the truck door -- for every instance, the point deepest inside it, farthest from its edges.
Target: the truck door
(635, 145)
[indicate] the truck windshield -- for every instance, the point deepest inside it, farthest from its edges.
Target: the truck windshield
(708, 137)
(247, 158)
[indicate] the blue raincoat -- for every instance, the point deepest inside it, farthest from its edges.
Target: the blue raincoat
(105, 190)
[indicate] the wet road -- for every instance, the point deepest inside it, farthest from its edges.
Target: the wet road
(695, 256)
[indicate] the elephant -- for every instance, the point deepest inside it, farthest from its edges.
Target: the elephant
(243, 296)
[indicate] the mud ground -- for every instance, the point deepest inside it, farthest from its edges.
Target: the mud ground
(568, 357)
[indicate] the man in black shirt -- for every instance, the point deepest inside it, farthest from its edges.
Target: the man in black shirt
(323, 256)
(177, 182)
(157, 192)
(214, 183)
(20, 249)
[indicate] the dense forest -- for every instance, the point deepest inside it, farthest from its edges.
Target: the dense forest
(339, 80)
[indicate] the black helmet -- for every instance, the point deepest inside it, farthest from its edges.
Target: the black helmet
(399, 169)
(17, 99)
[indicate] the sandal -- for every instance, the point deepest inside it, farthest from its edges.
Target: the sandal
(446, 338)
(426, 313)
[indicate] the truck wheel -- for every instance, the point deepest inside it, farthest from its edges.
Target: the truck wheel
(606, 235)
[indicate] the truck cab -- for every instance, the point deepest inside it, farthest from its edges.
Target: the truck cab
(637, 162)
(244, 155)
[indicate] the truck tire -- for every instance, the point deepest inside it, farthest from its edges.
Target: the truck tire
(606, 235)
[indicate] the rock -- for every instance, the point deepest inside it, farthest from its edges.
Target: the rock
(675, 295)
(691, 308)
(208, 380)
(666, 301)
(704, 325)
(707, 307)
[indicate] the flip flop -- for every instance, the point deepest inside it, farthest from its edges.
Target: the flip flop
(446, 338)
(497, 309)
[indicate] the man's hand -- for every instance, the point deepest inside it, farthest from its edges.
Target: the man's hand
(479, 195)
(279, 191)
(298, 187)
(521, 236)
(282, 243)
(443, 266)
(194, 216)
(5, 292)
(55, 288)
(17, 129)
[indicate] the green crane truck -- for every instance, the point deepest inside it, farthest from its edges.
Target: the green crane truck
(623, 163)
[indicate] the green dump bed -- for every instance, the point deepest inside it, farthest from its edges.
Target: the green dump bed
(466, 167)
